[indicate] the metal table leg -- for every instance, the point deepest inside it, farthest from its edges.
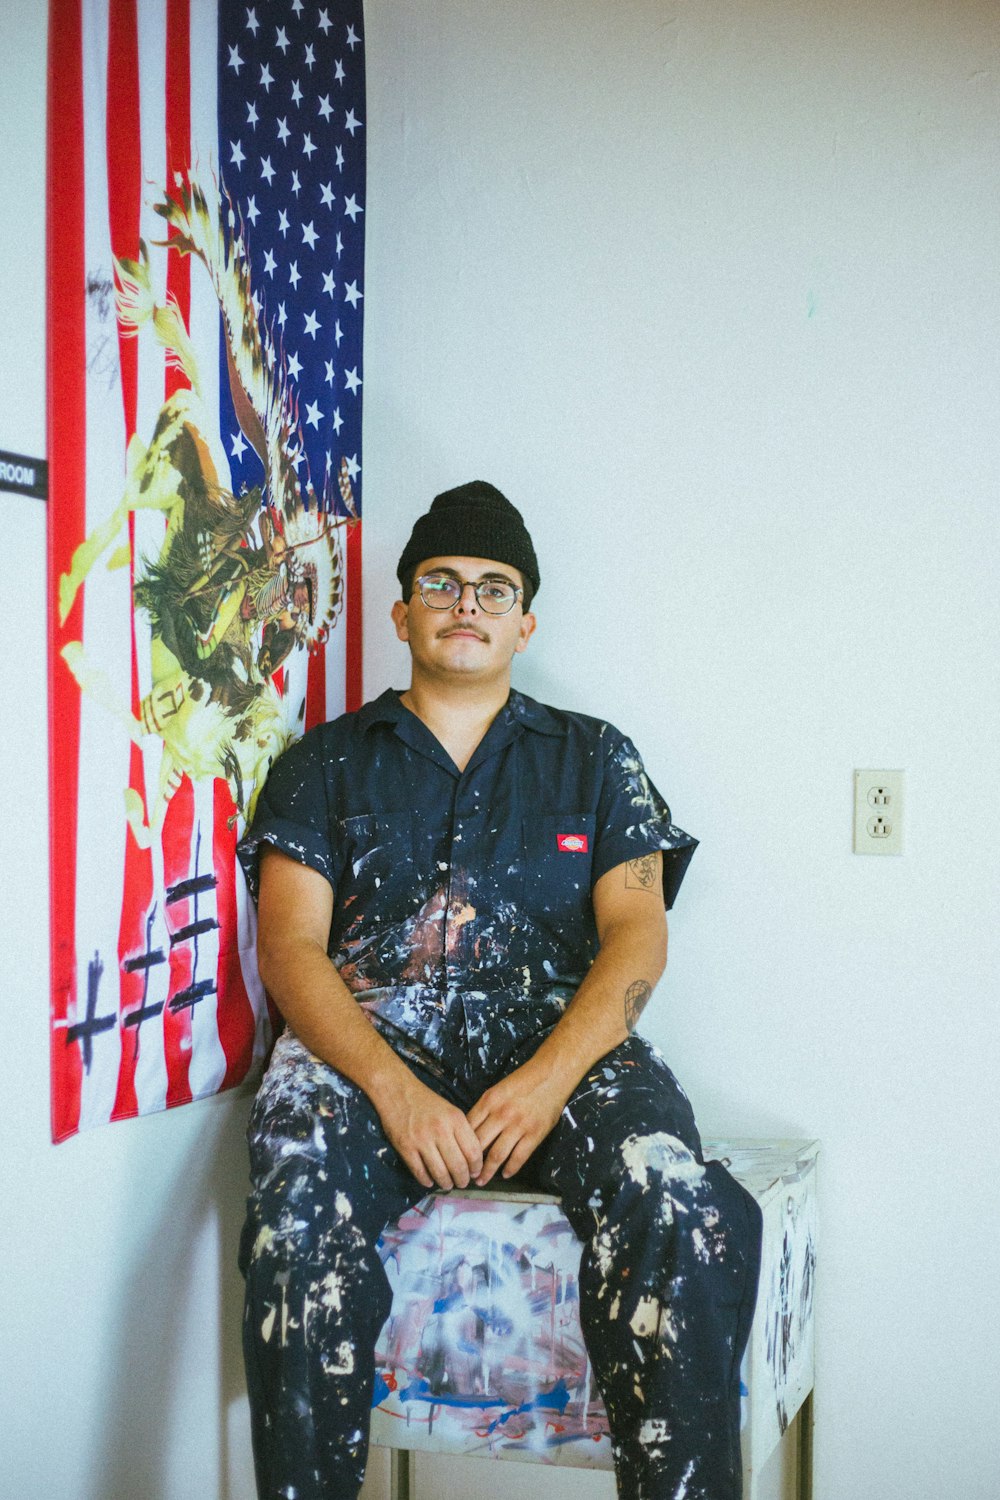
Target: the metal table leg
(401, 1486)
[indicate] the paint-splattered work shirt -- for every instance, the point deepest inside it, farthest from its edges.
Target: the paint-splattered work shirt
(472, 885)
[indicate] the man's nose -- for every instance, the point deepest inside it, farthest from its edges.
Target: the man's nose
(470, 607)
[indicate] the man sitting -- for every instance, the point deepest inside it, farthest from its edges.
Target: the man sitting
(462, 900)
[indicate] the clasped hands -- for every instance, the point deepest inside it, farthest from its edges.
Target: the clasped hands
(445, 1148)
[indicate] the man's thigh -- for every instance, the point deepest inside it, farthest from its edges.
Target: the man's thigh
(626, 1161)
(626, 1107)
(318, 1154)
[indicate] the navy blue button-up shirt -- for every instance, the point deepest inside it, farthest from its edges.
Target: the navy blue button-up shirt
(474, 883)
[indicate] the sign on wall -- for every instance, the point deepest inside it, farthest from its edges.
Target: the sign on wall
(206, 186)
(22, 475)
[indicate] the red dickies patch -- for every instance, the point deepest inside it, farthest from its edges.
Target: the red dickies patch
(572, 843)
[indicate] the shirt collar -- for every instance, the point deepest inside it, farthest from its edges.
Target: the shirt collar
(532, 714)
(387, 709)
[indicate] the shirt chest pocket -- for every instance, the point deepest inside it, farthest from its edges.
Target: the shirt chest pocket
(559, 851)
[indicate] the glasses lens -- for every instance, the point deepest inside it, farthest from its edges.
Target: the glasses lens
(438, 591)
(496, 598)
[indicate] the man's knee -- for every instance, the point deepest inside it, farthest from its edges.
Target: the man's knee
(640, 1171)
(663, 1213)
(650, 1157)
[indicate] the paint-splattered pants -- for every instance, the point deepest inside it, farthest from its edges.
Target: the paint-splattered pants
(668, 1279)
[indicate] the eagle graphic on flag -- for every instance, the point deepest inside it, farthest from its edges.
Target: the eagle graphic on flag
(209, 611)
(239, 581)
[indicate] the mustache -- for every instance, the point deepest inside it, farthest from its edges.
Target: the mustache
(463, 629)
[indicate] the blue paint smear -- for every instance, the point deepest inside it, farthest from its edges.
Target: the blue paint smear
(555, 1400)
(492, 1319)
(381, 1390)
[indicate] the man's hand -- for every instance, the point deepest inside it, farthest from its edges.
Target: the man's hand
(432, 1136)
(515, 1116)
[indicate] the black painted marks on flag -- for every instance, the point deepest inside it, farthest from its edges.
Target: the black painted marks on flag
(143, 962)
(190, 890)
(193, 930)
(84, 1031)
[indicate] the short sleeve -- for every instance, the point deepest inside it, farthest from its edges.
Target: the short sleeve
(633, 819)
(291, 814)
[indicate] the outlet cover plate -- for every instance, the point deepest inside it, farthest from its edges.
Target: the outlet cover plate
(878, 812)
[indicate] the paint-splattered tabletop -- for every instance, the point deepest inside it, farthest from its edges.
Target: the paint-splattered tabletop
(764, 1166)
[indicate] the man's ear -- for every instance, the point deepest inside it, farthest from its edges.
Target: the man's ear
(528, 623)
(399, 614)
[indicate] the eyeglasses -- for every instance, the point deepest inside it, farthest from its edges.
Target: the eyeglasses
(441, 591)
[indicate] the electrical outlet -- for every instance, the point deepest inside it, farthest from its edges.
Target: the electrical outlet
(878, 812)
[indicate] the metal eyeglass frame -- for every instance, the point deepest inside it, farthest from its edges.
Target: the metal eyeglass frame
(462, 584)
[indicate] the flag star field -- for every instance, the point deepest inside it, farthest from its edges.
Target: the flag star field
(291, 95)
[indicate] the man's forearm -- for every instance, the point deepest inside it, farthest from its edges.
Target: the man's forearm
(607, 1006)
(325, 1015)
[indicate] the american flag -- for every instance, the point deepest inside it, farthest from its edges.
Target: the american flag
(206, 187)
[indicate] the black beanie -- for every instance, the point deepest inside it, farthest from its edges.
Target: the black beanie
(472, 520)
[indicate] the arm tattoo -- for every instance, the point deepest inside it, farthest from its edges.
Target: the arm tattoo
(635, 1002)
(640, 874)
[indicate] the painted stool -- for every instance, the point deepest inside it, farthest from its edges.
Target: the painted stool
(482, 1353)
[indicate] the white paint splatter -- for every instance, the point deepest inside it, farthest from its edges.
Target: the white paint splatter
(661, 1153)
(330, 1291)
(680, 1492)
(646, 1318)
(344, 1360)
(669, 1158)
(264, 1241)
(654, 1431)
(603, 1252)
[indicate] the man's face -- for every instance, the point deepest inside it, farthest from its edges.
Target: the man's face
(463, 641)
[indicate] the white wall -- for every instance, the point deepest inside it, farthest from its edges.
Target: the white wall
(711, 290)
